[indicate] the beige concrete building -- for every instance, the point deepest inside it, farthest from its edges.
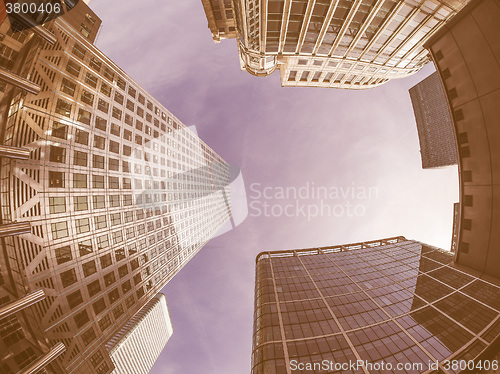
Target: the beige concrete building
(354, 44)
(466, 53)
(105, 195)
(136, 347)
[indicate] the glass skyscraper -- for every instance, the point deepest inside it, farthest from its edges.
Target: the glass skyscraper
(105, 196)
(353, 44)
(391, 305)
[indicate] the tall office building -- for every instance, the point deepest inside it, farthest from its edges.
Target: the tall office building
(135, 348)
(434, 124)
(352, 308)
(105, 196)
(467, 58)
(354, 44)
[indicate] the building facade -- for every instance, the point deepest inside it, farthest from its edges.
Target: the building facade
(438, 146)
(105, 196)
(352, 308)
(135, 348)
(354, 44)
(467, 56)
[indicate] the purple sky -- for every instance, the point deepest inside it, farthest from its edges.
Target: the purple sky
(279, 137)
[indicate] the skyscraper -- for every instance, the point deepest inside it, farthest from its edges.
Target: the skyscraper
(105, 196)
(135, 348)
(391, 305)
(355, 44)
(434, 124)
(467, 58)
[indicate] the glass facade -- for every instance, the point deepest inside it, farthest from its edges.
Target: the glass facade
(118, 193)
(348, 308)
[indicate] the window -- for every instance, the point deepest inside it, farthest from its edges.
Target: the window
(113, 296)
(99, 142)
(99, 306)
(106, 260)
(102, 241)
(85, 247)
(117, 237)
(94, 288)
(119, 98)
(98, 162)
(117, 113)
(120, 83)
(150, 105)
(120, 254)
(137, 279)
(127, 200)
(114, 201)
(126, 286)
(80, 159)
(105, 89)
(114, 183)
(127, 135)
(109, 279)
(130, 105)
(98, 181)
(73, 68)
(68, 278)
(82, 225)
(138, 125)
(108, 74)
(56, 179)
(129, 301)
(100, 222)
(129, 120)
(78, 51)
(57, 205)
(87, 97)
(91, 80)
(84, 116)
(80, 180)
(118, 311)
(74, 299)
(127, 183)
(102, 105)
(68, 87)
(140, 292)
(63, 254)
(138, 139)
(115, 129)
(88, 336)
(85, 30)
(104, 323)
(81, 318)
(132, 91)
(123, 271)
(114, 146)
(113, 164)
(57, 154)
(63, 108)
(81, 203)
(95, 64)
(98, 201)
(140, 112)
(59, 230)
(81, 137)
(89, 18)
(134, 264)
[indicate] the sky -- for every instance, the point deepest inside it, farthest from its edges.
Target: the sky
(361, 147)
